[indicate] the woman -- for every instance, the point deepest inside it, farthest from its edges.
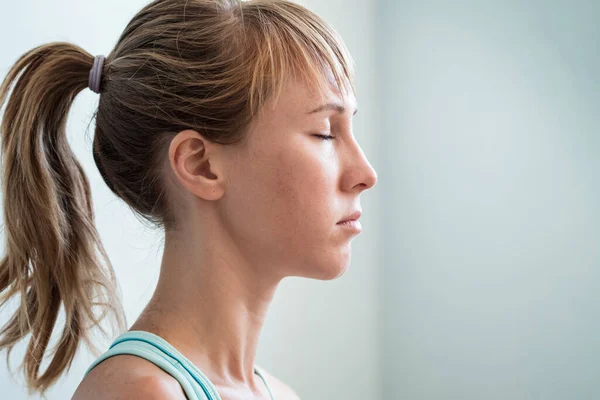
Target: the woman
(229, 125)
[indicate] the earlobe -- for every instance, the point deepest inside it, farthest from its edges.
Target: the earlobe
(196, 164)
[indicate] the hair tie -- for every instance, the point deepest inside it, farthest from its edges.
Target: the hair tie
(96, 74)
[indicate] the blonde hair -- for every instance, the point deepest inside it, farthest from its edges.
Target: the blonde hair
(206, 65)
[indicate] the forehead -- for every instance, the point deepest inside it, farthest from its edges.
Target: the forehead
(298, 98)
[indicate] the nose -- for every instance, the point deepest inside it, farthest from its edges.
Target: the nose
(370, 175)
(360, 175)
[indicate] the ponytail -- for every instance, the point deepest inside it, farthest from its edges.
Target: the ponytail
(51, 240)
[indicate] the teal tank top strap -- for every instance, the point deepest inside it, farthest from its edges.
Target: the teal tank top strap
(157, 350)
(161, 353)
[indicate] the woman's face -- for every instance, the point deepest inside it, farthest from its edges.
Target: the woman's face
(287, 189)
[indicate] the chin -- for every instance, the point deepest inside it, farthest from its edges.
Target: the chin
(330, 271)
(334, 274)
(326, 266)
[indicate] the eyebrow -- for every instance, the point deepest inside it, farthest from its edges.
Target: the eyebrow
(331, 106)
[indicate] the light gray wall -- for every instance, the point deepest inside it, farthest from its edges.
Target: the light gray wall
(489, 174)
(321, 337)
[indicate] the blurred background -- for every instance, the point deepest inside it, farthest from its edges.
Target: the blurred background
(477, 273)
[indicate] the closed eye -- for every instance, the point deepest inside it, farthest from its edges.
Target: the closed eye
(324, 137)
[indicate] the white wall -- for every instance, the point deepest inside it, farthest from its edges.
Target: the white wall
(490, 187)
(321, 337)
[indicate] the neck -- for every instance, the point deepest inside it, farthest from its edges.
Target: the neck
(210, 304)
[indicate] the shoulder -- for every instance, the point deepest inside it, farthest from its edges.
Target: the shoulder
(280, 390)
(128, 377)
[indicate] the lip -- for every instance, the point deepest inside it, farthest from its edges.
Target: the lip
(352, 217)
(353, 225)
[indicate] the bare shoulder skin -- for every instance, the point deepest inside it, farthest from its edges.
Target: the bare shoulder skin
(128, 377)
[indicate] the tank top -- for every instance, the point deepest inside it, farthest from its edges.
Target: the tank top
(158, 351)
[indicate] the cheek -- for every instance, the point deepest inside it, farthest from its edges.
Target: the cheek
(304, 191)
(303, 212)
(306, 210)
(284, 206)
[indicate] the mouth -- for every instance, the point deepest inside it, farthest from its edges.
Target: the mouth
(352, 217)
(351, 222)
(353, 225)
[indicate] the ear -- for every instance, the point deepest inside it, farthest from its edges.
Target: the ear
(198, 164)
